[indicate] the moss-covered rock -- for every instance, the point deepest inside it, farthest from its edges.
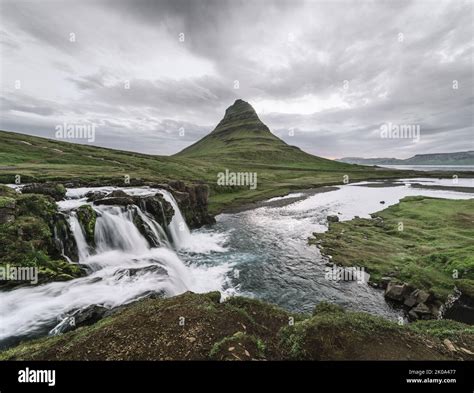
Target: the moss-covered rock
(55, 190)
(87, 217)
(27, 240)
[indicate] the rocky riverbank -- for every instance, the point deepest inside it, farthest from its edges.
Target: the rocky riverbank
(419, 252)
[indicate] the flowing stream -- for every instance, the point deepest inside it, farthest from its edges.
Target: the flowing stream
(262, 252)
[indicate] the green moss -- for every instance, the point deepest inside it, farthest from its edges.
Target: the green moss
(325, 307)
(245, 341)
(442, 328)
(87, 217)
(331, 330)
(7, 202)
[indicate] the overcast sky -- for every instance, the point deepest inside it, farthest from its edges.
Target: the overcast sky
(323, 75)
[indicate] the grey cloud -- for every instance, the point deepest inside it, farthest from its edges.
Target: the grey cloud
(389, 81)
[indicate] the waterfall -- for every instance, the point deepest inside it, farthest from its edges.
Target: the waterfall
(115, 230)
(122, 267)
(178, 228)
(182, 237)
(79, 237)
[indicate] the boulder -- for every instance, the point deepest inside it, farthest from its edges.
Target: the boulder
(95, 195)
(397, 292)
(332, 218)
(421, 311)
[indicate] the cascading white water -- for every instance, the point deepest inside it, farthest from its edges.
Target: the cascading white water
(78, 232)
(115, 230)
(182, 237)
(122, 267)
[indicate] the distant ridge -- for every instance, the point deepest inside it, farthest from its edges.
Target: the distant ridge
(457, 158)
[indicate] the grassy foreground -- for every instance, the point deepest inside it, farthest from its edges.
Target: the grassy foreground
(199, 327)
(425, 242)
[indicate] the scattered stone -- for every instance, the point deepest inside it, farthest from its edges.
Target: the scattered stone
(333, 218)
(449, 345)
(466, 351)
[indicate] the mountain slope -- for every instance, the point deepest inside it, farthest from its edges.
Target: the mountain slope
(457, 158)
(242, 135)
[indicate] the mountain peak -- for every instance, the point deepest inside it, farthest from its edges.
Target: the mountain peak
(241, 135)
(239, 111)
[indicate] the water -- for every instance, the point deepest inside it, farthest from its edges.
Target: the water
(268, 246)
(434, 168)
(261, 253)
(120, 250)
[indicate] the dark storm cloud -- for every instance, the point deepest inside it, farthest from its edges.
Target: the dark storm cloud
(333, 72)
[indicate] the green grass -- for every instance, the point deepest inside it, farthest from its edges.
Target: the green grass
(43, 159)
(435, 243)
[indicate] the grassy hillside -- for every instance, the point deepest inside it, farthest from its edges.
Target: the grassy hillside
(43, 159)
(246, 329)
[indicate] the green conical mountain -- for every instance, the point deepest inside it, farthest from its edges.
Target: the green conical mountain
(242, 135)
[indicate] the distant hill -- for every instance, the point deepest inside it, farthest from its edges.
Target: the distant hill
(242, 135)
(457, 158)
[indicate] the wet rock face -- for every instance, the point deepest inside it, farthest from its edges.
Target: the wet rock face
(155, 205)
(63, 237)
(193, 203)
(462, 310)
(54, 190)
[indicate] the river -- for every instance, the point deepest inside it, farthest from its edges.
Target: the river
(261, 252)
